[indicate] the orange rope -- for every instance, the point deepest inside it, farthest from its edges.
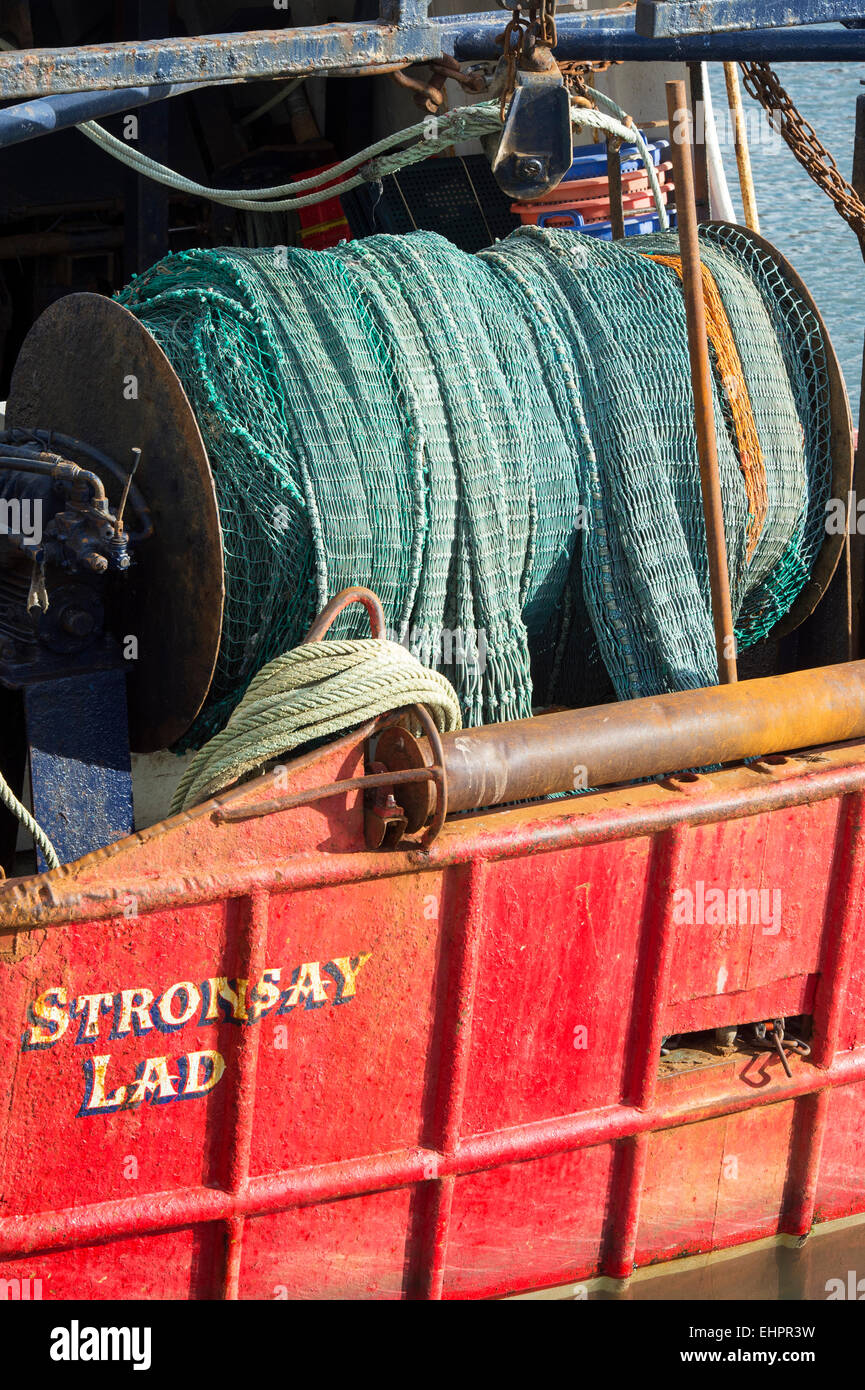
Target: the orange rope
(735, 387)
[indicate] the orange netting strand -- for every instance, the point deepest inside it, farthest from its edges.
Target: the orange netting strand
(735, 387)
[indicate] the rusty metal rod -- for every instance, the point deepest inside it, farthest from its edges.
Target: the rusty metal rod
(344, 599)
(743, 154)
(699, 150)
(610, 744)
(365, 782)
(614, 178)
(701, 378)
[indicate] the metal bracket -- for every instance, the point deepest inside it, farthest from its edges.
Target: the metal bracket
(537, 145)
(769, 1037)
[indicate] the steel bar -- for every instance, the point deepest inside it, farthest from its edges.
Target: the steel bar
(701, 380)
(629, 1176)
(614, 175)
(699, 145)
(840, 933)
(610, 35)
(49, 114)
(646, 1030)
(667, 18)
(335, 48)
(365, 782)
(659, 937)
(806, 1147)
(146, 217)
(241, 1111)
(452, 1081)
(840, 929)
(611, 744)
(214, 58)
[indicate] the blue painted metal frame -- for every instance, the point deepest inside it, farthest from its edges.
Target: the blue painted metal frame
(221, 57)
(80, 770)
(405, 34)
(611, 35)
(670, 18)
(49, 114)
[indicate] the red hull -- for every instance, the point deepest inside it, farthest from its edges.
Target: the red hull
(451, 1087)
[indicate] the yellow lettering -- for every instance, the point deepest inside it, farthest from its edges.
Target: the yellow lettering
(49, 1019)
(154, 1081)
(219, 988)
(201, 1079)
(350, 972)
(137, 1002)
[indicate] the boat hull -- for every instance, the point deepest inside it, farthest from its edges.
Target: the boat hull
(250, 1059)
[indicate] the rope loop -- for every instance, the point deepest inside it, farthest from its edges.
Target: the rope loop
(316, 690)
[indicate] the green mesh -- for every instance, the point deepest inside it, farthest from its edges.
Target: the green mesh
(499, 444)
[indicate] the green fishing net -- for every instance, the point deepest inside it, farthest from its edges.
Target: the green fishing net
(500, 445)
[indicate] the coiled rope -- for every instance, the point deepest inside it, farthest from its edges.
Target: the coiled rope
(319, 689)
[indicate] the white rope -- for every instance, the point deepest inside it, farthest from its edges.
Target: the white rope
(11, 802)
(463, 123)
(377, 161)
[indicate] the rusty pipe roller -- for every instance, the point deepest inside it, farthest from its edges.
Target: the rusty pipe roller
(610, 744)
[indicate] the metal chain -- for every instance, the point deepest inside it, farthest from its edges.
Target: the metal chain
(520, 36)
(762, 82)
(576, 76)
(546, 22)
(513, 41)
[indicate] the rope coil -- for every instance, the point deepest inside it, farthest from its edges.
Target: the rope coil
(317, 690)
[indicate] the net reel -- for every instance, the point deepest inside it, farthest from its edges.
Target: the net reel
(113, 604)
(119, 651)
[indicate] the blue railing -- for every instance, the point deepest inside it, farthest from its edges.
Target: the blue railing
(715, 30)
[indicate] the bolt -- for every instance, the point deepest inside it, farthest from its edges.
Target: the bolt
(530, 169)
(78, 622)
(96, 562)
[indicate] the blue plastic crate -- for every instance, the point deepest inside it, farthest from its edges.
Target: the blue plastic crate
(634, 226)
(590, 161)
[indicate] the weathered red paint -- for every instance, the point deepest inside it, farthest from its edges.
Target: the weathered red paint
(439, 1134)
